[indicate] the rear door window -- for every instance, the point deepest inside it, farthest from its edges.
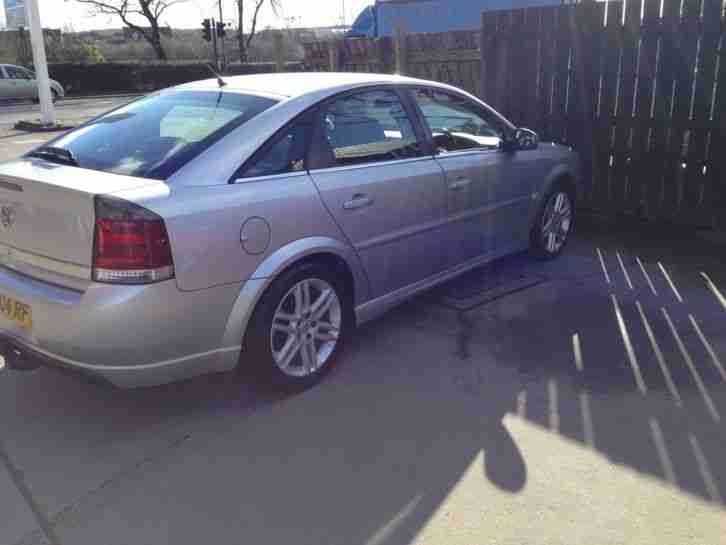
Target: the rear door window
(284, 154)
(155, 136)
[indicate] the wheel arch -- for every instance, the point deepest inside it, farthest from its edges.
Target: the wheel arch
(560, 174)
(291, 255)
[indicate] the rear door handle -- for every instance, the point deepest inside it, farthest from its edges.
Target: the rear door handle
(358, 201)
(459, 184)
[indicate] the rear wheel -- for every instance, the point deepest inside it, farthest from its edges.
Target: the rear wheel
(553, 224)
(299, 327)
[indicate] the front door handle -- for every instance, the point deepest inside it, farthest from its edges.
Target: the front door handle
(459, 184)
(358, 201)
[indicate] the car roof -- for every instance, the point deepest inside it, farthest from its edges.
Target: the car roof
(293, 84)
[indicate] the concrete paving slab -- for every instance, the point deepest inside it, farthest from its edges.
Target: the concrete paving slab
(546, 416)
(16, 518)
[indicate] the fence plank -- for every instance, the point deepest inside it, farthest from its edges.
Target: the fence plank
(609, 83)
(545, 85)
(623, 134)
(587, 24)
(718, 137)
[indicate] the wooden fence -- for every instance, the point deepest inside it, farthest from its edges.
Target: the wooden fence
(638, 88)
(452, 57)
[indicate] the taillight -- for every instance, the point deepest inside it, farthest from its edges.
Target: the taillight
(131, 245)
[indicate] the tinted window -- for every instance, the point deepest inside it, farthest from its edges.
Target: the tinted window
(155, 136)
(286, 153)
(368, 127)
(457, 123)
(2, 73)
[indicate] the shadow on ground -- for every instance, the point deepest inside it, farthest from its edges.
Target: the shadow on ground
(373, 452)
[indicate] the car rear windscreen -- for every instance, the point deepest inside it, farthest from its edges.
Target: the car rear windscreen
(155, 136)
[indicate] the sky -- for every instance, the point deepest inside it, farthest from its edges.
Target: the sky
(64, 13)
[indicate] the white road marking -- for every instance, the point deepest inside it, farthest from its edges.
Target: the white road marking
(665, 460)
(602, 263)
(670, 282)
(630, 351)
(705, 470)
(692, 367)
(719, 296)
(659, 356)
(625, 271)
(711, 352)
(647, 276)
(588, 428)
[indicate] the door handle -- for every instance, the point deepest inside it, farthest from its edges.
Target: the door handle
(459, 184)
(358, 201)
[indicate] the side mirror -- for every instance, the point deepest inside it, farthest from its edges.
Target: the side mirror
(525, 139)
(521, 140)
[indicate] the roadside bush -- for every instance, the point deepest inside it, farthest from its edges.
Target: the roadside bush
(89, 79)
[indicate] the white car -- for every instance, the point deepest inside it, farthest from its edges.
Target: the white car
(18, 83)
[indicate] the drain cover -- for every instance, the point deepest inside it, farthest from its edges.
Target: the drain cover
(486, 284)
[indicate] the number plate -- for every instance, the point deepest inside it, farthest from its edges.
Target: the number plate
(18, 312)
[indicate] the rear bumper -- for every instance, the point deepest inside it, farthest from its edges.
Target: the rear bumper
(127, 335)
(21, 356)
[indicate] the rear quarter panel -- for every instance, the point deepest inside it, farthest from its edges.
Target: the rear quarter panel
(205, 223)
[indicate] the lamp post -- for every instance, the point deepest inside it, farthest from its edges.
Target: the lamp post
(47, 111)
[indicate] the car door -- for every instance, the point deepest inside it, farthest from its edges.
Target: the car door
(4, 84)
(9, 87)
(21, 86)
(382, 186)
(490, 198)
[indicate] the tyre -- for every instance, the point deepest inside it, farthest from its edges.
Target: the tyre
(553, 224)
(299, 327)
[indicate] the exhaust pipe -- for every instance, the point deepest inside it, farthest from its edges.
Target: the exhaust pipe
(18, 360)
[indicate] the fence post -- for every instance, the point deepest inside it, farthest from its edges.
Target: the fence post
(279, 39)
(399, 51)
(334, 55)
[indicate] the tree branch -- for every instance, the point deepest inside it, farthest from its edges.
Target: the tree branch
(251, 35)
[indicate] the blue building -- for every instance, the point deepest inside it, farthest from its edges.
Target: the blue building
(412, 16)
(15, 14)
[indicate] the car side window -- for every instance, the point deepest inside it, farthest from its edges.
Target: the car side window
(285, 153)
(15, 73)
(369, 127)
(457, 123)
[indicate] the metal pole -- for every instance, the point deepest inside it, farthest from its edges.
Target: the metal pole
(221, 41)
(47, 112)
(214, 44)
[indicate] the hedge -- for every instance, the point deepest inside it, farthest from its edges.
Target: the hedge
(88, 79)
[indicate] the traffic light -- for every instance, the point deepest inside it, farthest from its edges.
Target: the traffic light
(221, 31)
(207, 30)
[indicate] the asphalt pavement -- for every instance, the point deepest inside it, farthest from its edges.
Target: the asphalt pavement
(71, 111)
(578, 401)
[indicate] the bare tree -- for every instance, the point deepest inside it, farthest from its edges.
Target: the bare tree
(131, 12)
(243, 40)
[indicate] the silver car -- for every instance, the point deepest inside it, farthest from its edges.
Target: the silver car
(254, 222)
(17, 83)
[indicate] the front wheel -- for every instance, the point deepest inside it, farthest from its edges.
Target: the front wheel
(299, 327)
(553, 224)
